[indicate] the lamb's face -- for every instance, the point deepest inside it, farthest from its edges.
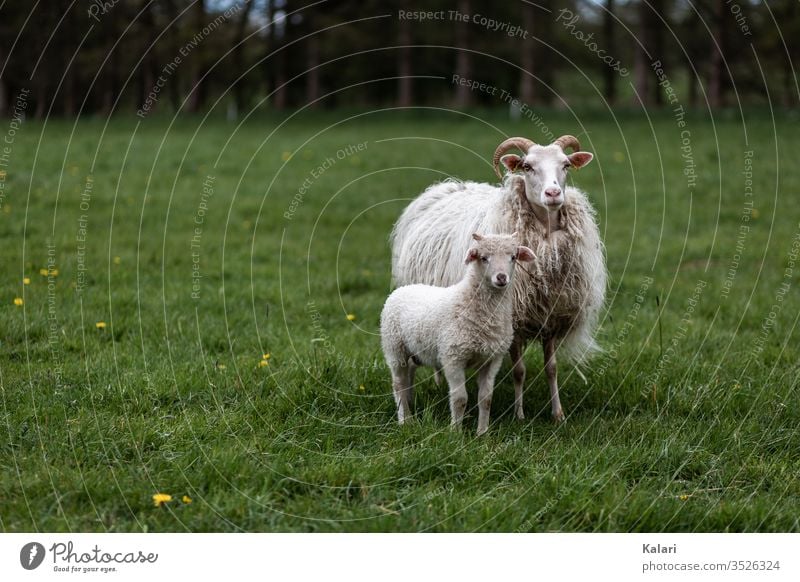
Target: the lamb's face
(495, 256)
(544, 169)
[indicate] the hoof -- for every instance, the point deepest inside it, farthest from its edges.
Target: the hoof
(520, 414)
(558, 417)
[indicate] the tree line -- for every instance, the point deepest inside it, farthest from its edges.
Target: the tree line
(113, 56)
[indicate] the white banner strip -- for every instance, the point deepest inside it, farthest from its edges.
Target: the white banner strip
(390, 557)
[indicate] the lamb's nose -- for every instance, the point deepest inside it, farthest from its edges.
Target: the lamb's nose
(502, 279)
(553, 192)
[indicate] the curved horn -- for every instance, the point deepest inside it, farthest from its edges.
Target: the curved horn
(568, 141)
(521, 143)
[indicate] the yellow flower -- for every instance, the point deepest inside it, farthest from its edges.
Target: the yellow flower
(117, 260)
(351, 317)
(18, 301)
(100, 325)
(53, 272)
(361, 387)
(221, 366)
(263, 363)
(26, 281)
(43, 272)
(266, 356)
(160, 499)
(683, 497)
(285, 156)
(186, 499)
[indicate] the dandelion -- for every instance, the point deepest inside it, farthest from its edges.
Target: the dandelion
(351, 317)
(186, 499)
(26, 281)
(117, 260)
(18, 301)
(100, 325)
(683, 497)
(43, 272)
(263, 363)
(221, 366)
(266, 356)
(361, 387)
(160, 499)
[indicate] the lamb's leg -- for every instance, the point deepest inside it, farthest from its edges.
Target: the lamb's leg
(456, 379)
(551, 370)
(518, 371)
(401, 375)
(486, 377)
(412, 368)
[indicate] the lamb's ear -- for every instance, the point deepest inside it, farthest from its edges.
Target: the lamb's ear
(472, 254)
(524, 254)
(511, 161)
(580, 159)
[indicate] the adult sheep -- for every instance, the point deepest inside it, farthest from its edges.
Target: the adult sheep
(558, 299)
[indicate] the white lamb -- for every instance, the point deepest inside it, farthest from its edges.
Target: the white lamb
(466, 325)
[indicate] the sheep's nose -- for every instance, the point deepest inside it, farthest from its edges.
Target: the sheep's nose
(502, 278)
(553, 192)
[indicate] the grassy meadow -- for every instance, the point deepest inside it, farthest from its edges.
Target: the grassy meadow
(201, 315)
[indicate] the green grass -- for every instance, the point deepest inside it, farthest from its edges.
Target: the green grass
(688, 423)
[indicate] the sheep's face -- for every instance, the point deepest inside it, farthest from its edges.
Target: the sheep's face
(495, 256)
(544, 169)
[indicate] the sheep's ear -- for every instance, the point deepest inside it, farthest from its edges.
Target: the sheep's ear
(472, 254)
(476, 236)
(524, 254)
(580, 159)
(511, 161)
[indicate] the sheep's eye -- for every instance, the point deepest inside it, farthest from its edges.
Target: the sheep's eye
(513, 258)
(485, 259)
(527, 168)
(567, 166)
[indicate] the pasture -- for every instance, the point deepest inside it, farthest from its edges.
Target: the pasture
(181, 254)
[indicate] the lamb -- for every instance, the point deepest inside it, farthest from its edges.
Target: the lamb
(559, 301)
(466, 325)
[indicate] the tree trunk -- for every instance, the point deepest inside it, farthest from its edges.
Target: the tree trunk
(609, 32)
(197, 90)
(526, 80)
(463, 58)
(717, 56)
(404, 87)
(312, 65)
(641, 65)
(238, 57)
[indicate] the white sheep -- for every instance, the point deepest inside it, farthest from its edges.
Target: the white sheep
(466, 325)
(559, 301)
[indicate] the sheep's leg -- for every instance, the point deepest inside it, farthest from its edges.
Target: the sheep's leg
(518, 371)
(486, 377)
(551, 369)
(412, 369)
(401, 376)
(456, 379)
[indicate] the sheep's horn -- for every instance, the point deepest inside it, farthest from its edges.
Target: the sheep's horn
(521, 143)
(568, 141)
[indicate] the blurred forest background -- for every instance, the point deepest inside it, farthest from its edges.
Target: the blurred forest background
(102, 57)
